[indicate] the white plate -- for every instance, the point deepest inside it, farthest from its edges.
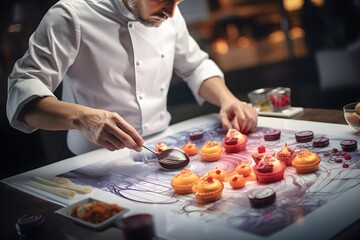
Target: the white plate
(65, 211)
(287, 113)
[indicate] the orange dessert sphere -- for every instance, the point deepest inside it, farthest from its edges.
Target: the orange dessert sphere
(182, 182)
(237, 181)
(190, 148)
(211, 151)
(243, 169)
(160, 147)
(217, 173)
(208, 189)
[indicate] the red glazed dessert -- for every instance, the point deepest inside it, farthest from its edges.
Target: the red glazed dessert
(211, 151)
(234, 141)
(259, 152)
(286, 155)
(190, 148)
(269, 169)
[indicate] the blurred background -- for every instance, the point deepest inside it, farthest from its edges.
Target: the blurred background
(311, 46)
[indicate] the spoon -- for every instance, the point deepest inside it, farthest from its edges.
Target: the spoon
(171, 158)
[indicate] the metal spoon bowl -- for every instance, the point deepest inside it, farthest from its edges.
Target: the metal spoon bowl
(171, 158)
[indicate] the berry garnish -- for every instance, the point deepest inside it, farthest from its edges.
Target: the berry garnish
(218, 172)
(231, 141)
(261, 149)
(209, 179)
(234, 179)
(265, 169)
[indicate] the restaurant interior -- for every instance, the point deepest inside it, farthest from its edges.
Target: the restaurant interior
(310, 46)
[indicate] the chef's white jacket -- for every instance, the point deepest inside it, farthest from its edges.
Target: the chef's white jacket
(107, 60)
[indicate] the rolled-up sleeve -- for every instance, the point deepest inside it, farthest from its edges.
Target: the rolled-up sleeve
(191, 63)
(52, 49)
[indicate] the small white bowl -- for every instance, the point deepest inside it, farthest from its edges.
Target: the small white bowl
(66, 211)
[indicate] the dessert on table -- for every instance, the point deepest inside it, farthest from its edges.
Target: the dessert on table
(234, 141)
(321, 142)
(160, 147)
(304, 136)
(272, 134)
(243, 169)
(259, 152)
(196, 135)
(190, 148)
(348, 145)
(269, 169)
(183, 181)
(217, 173)
(208, 189)
(211, 151)
(262, 197)
(237, 181)
(306, 161)
(286, 155)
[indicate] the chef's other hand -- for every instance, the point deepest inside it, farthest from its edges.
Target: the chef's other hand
(239, 115)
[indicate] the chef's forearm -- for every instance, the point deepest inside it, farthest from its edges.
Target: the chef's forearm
(48, 113)
(215, 91)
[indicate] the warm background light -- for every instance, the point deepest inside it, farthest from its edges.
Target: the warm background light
(244, 42)
(276, 36)
(292, 5)
(296, 32)
(220, 46)
(318, 3)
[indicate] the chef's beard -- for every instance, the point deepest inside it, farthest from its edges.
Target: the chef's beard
(134, 9)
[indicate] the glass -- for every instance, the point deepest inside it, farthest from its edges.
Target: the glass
(280, 99)
(352, 115)
(259, 99)
(139, 226)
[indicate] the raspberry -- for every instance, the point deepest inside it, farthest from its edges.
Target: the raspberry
(345, 165)
(335, 150)
(261, 149)
(347, 156)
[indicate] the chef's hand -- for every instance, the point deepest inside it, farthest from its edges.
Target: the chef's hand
(109, 129)
(239, 115)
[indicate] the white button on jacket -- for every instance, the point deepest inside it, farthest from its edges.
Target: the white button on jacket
(104, 57)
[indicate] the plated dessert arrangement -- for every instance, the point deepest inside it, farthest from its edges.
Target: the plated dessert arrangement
(268, 165)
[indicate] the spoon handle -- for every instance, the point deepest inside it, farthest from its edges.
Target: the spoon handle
(149, 150)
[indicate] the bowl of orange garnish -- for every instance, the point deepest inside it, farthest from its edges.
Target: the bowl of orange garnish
(93, 213)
